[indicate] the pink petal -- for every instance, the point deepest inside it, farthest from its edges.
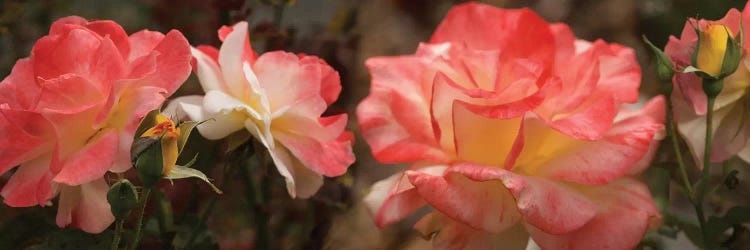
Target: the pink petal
(143, 43)
(482, 205)
(329, 158)
(287, 79)
(112, 31)
(468, 24)
(564, 43)
(591, 122)
(625, 211)
(80, 52)
(551, 206)
(85, 207)
(62, 25)
(300, 181)
(592, 162)
(395, 198)
(395, 118)
(446, 233)
(619, 72)
(69, 93)
(330, 85)
(20, 90)
(167, 66)
(90, 162)
(23, 137)
(30, 185)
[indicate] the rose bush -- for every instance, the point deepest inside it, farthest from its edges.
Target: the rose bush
(279, 98)
(730, 126)
(513, 129)
(70, 110)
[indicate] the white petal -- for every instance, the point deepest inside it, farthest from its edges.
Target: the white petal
(300, 181)
(220, 125)
(220, 102)
(208, 71)
(185, 106)
(230, 59)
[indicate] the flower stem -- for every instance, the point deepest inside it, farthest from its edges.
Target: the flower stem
(703, 184)
(257, 204)
(139, 224)
(238, 161)
(672, 133)
(118, 234)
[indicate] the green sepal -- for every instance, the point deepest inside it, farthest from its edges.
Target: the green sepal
(664, 66)
(185, 129)
(712, 87)
(122, 198)
(149, 165)
(181, 172)
(732, 57)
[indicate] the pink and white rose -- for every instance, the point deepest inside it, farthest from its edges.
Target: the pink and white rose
(279, 98)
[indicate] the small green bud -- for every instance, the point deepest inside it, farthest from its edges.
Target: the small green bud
(664, 66)
(122, 198)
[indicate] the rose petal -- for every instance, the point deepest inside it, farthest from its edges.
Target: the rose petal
(90, 162)
(30, 185)
(85, 207)
(626, 210)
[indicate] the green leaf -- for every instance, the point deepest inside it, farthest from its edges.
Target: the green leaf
(122, 198)
(180, 172)
(149, 165)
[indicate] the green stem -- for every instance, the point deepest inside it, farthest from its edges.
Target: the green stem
(706, 169)
(139, 224)
(672, 133)
(118, 234)
(257, 204)
(228, 172)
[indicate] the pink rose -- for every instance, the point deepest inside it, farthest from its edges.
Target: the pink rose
(513, 129)
(278, 98)
(730, 125)
(70, 109)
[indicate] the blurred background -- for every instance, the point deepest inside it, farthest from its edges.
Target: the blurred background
(344, 33)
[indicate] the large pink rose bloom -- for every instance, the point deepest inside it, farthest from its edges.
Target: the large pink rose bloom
(513, 129)
(70, 109)
(278, 98)
(730, 125)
